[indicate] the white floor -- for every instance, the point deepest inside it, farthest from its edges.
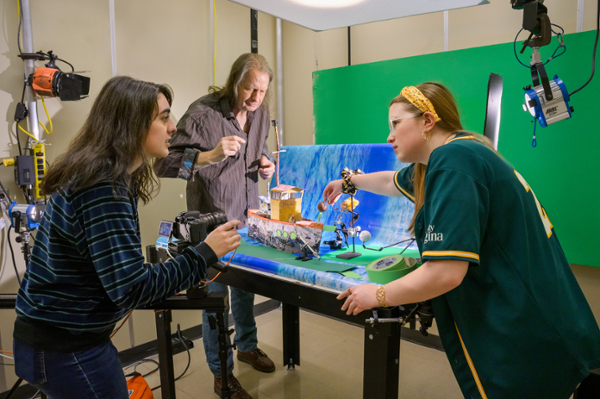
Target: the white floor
(331, 357)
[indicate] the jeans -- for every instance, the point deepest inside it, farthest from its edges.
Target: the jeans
(242, 308)
(94, 373)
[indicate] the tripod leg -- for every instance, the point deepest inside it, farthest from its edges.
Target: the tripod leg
(223, 355)
(165, 353)
(14, 388)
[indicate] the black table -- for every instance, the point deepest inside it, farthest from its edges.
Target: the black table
(382, 340)
(381, 343)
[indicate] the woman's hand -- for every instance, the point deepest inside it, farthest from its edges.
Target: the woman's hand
(359, 298)
(332, 192)
(224, 238)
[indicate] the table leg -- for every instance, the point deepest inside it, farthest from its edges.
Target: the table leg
(165, 353)
(291, 335)
(382, 358)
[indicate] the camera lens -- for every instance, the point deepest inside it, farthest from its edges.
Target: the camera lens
(213, 220)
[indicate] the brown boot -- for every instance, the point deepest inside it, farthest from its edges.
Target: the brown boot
(236, 390)
(257, 359)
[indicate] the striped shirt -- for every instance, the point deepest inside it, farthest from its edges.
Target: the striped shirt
(229, 186)
(87, 269)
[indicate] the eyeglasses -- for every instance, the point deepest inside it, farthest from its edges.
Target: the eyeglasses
(392, 120)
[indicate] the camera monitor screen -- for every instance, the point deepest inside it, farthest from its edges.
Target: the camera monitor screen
(165, 228)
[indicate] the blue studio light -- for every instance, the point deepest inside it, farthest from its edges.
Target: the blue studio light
(548, 112)
(29, 215)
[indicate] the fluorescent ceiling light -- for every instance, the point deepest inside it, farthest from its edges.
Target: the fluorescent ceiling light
(321, 15)
(328, 3)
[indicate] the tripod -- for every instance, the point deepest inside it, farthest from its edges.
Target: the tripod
(352, 233)
(15, 387)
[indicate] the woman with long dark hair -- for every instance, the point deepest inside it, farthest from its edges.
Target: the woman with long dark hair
(87, 269)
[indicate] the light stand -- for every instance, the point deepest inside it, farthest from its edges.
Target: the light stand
(24, 219)
(352, 233)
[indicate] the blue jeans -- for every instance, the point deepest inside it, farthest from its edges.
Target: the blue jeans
(95, 373)
(242, 308)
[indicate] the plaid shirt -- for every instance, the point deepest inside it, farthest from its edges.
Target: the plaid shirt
(231, 185)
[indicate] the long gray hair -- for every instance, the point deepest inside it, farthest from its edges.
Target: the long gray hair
(239, 71)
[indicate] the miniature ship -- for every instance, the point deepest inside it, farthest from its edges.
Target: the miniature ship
(279, 223)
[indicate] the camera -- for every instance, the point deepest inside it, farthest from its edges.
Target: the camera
(191, 228)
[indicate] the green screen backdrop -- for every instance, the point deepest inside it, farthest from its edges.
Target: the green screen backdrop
(351, 106)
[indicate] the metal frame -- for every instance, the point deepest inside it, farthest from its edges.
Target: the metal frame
(215, 302)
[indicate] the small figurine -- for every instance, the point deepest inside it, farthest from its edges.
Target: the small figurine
(349, 204)
(322, 206)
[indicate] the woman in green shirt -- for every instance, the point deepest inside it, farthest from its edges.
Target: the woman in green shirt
(512, 318)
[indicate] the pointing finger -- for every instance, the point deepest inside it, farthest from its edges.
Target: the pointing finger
(238, 139)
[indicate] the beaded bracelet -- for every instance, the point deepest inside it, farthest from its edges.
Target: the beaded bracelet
(380, 295)
(347, 186)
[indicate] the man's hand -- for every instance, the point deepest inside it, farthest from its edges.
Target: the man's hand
(224, 238)
(266, 168)
(227, 147)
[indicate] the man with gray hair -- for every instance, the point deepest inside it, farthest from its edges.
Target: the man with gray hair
(220, 149)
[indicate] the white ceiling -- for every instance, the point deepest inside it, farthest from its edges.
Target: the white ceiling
(321, 15)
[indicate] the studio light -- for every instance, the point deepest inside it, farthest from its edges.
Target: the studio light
(328, 3)
(548, 111)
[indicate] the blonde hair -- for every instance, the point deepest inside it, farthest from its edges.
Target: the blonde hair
(445, 105)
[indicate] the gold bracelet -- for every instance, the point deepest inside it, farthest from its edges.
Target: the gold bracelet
(380, 295)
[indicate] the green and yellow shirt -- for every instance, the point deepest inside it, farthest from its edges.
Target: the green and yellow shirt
(518, 326)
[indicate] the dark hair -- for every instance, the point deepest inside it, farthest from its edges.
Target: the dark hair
(111, 138)
(239, 71)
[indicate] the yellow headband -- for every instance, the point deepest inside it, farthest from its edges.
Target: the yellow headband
(416, 98)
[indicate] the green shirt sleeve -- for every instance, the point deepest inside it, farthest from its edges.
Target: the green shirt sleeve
(403, 179)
